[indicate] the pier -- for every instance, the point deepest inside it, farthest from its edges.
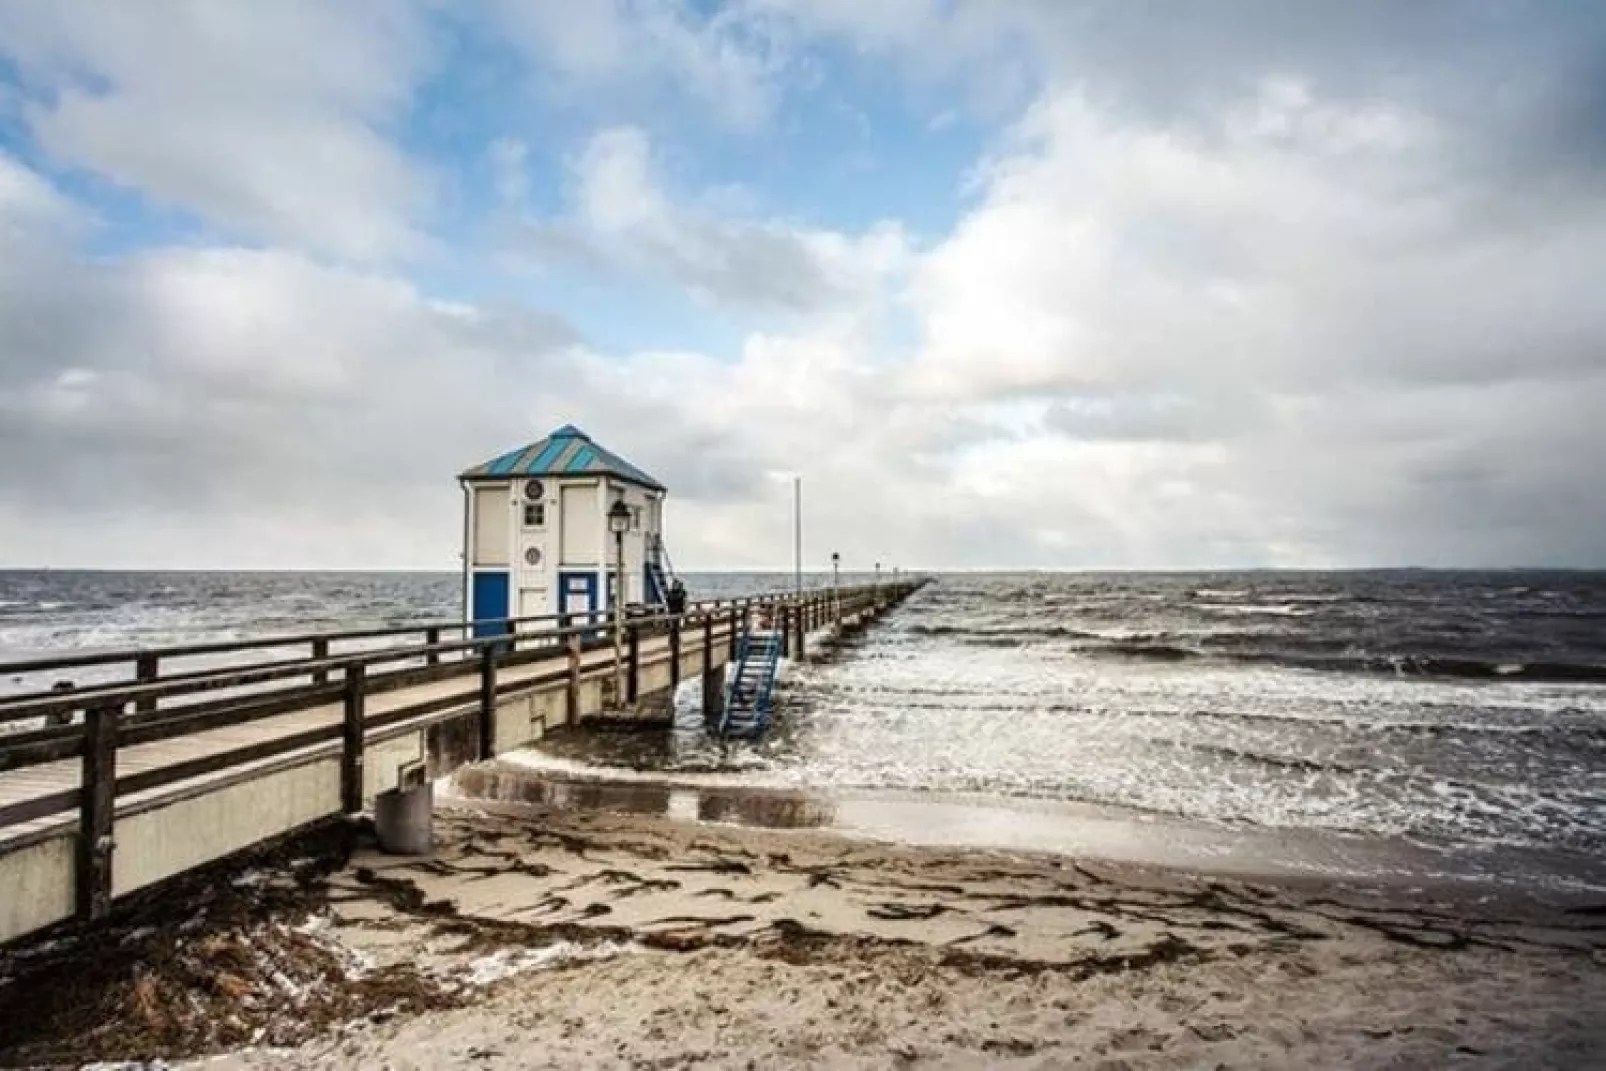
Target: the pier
(124, 785)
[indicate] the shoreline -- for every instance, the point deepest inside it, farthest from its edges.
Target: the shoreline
(554, 937)
(1048, 827)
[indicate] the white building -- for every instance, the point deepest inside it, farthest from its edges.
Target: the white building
(535, 531)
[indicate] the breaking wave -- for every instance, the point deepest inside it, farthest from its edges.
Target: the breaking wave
(1313, 652)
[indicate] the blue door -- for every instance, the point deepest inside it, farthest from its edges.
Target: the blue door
(490, 604)
(577, 593)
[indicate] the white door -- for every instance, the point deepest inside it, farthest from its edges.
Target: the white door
(490, 526)
(533, 602)
(582, 525)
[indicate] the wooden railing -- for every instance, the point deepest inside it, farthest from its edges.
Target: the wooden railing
(93, 721)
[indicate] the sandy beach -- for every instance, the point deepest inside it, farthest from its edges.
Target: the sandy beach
(581, 939)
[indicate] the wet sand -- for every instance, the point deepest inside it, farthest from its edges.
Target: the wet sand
(552, 937)
(723, 946)
(1078, 830)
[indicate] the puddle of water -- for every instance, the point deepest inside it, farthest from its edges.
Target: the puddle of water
(1075, 830)
(765, 808)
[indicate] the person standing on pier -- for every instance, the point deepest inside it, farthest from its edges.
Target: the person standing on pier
(676, 597)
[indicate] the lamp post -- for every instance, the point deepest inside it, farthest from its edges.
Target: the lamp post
(836, 583)
(797, 533)
(618, 524)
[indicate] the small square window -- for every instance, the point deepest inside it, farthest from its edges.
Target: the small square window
(535, 515)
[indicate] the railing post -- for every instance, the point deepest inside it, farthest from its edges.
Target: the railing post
(674, 653)
(96, 812)
(732, 639)
(713, 679)
(320, 651)
(800, 625)
(145, 671)
(633, 669)
(432, 639)
(488, 700)
(352, 738)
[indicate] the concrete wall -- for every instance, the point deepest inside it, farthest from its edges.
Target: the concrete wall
(36, 887)
(164, 841)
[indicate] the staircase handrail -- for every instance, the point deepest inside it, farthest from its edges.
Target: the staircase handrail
(743, 649)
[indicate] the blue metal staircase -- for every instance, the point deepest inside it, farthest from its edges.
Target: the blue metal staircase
(660, 571)
(750, 689)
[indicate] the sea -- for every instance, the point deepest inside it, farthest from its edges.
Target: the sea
(1408, 725)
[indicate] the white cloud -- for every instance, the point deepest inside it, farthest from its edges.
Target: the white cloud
(624, 216)
(1284, 321)
(1295, 336)
(725, 61)
(28, 203)
(270, 121)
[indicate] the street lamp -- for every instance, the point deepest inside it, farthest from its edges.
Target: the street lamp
(836, 583)
(797, 532)
(618, 524)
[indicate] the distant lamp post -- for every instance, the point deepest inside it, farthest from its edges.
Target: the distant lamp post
(836, 584)
(797, 533)
(878, 579)
(618, 524)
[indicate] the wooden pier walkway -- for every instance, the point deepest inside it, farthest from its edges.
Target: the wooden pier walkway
(110, 788)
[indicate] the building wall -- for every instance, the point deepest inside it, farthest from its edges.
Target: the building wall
(573, 538)
(534, 547)
(646, 523)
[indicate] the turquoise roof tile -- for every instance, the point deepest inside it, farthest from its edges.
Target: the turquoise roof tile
(568, 451)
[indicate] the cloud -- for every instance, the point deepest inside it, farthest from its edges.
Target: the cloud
(1248, 289)
(623, 219)
(1296, 243)
(1295, 335)
(723, 59)
(29, 204)
(268, 121)
(236, 407)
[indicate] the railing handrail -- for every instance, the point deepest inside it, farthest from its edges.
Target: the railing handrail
(122, 693)
(129, 654)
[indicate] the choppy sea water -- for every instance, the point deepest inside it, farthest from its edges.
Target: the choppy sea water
(1460, 717)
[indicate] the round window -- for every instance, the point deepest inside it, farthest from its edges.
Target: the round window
(532, 556)
(533, 490)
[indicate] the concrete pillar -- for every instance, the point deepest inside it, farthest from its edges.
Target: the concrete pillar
(713, 691)
(403, 818)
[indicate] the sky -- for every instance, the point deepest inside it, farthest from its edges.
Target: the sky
(1048, 284)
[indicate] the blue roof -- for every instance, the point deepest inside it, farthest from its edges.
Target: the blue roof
(566, 452)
